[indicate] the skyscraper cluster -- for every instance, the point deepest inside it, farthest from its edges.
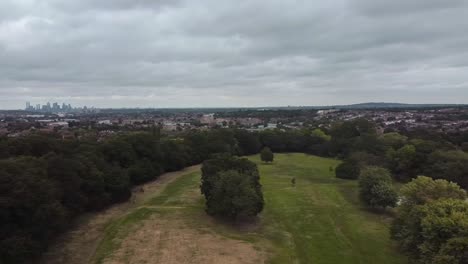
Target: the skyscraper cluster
(55, 107)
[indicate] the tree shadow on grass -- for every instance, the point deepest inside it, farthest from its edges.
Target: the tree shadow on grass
(351, 195)
(245, 224)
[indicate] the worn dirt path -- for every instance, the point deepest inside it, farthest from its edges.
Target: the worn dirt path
(77, 246)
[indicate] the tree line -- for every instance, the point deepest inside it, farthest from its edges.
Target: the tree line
(45, 181)
(406, 156)
(431, 216)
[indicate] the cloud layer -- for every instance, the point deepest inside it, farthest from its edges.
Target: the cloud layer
(180, 53)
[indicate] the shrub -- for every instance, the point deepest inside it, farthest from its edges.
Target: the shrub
(375, 188)
(266, 155)
(347, 170)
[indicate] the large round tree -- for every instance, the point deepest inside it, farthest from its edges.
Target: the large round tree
(234, 196)
(231, 187)
(266, 155)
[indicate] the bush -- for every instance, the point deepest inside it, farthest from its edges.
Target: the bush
(347, 170)
(266, 155)
(375, 188)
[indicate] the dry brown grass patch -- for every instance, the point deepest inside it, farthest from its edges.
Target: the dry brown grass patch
(166, 241)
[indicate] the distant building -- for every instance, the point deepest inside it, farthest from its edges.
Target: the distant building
(324, 112)
(104, 122)
(55, 107)
(207, 119)
(58, 124)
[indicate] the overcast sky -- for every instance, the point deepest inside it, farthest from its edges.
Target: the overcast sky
(181, 53)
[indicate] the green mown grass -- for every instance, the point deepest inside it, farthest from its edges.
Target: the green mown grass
(319, 220)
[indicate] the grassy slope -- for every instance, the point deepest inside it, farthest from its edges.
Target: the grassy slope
(317, 221)
(320, 218)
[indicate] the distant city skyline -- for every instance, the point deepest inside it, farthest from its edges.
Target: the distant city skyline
(51, 107)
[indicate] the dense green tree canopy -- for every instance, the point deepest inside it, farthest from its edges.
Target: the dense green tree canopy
(432, 221)
(320, 134)
(454, 251)
(231, 187)
(248, 142)
(143, 170)
(423, 190)
(444, 224)
(435, 232)
(354, 135)
(348, 169)
(266, 155)
(375, 188)
(403, 161)
(449, 165)
(234, 196)
(393, 140)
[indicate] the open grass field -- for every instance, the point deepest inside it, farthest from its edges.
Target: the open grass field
(319, 220)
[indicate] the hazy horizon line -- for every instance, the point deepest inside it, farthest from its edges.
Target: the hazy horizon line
(265, 106)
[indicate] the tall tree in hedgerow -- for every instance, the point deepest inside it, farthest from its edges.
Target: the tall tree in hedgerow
(231, 187)
(348, 169)
(375, 188)
(266, 155)
(431, 221)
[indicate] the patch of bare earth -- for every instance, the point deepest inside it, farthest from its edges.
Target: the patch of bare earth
(77, 246)
(165, 241)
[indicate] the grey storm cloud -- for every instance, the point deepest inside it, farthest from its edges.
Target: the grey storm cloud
(180, 53)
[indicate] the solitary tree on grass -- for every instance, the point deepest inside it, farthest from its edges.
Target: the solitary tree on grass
(266, 155)
(234, 196)
(231, 187)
